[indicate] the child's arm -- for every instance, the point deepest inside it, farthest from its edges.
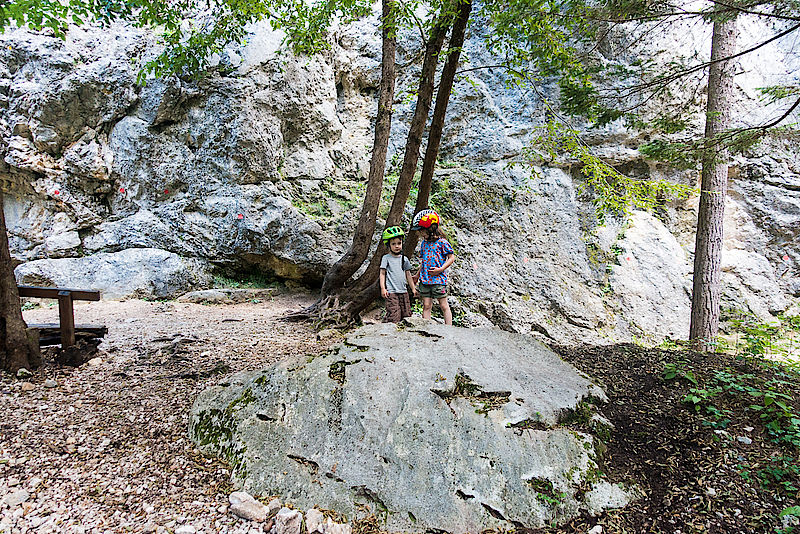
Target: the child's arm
(383, 284)
(447, 263)
(411, 284)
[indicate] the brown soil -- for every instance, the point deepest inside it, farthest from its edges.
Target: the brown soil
(693, 477)
(106, 450)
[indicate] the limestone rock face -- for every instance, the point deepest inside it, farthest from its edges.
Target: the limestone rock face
(433, 427)
(139, 272)
(261, 167)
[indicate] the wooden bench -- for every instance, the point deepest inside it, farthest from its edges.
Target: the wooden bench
(66, 316)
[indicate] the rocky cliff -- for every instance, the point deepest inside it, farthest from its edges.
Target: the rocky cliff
(260, 166)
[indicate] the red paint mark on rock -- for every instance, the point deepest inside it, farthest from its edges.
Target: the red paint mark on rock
(56, 192)
(785, 257)
(628, 258)
(240, 216)
(166, 191)
(121, 189)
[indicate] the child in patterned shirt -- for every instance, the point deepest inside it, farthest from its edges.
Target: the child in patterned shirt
(437, 255)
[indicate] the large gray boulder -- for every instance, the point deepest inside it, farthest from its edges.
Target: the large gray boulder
(139, 272)
(430, 426)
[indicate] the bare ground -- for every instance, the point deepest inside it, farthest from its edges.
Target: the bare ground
(106, 450)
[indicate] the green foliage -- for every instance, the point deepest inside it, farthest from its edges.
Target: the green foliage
(612, 192)
(678, 370)
(544, 36)
(682, 154)
(778, 339)
(776, 93)
(193, 31)
(768, 393)
(253, 280)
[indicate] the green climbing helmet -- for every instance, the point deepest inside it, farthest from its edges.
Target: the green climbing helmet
(392, 232)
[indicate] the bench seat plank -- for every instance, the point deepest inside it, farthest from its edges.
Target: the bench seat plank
(53, 292)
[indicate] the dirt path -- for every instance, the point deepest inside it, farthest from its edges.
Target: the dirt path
(106, 449)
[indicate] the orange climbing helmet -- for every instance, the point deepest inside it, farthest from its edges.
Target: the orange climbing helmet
(425, 219)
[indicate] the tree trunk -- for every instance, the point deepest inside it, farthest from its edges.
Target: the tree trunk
(368, 283)
(348, 264)
(413, 144)
(16, 350)
(439, 112)
(708, 245)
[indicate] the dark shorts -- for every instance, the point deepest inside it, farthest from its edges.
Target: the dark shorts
(398, 306)
(432, 291)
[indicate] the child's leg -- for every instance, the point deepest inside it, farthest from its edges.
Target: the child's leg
(392, 309)
(448, 315)
(427, 305)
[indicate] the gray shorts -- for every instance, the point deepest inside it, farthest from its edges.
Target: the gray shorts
(432, 291)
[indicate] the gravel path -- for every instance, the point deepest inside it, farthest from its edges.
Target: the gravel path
(106, 448)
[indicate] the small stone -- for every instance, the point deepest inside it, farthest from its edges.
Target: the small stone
(336, 528)
(34, 483)
(245, 506)
(222, 509)
(748, 429)
(288, 521)
(315, 522)
(744, 439)
(27, 386)
(94, 362)
(273, 506)
(50, 383)
(711, 492)
(149, 528)
(185, 529)
(23, 373)
(71, 440)
(597, 529)
(16, 498)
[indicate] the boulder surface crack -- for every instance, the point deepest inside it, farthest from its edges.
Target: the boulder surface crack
(465, 388)
(311, 465)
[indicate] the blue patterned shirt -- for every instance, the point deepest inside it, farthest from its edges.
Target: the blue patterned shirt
(434, 254)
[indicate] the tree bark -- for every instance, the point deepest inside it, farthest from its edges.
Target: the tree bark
(439, 112)
(349, 263)
(15, 349)
(708, 244)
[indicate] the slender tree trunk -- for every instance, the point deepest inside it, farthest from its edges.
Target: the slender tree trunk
(439, 112)
(16, 350)
(348, 264)
(708, 245)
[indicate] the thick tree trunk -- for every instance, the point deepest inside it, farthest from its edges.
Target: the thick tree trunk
(439, 112)
(708, 244)
(348, 264)
(16, 350)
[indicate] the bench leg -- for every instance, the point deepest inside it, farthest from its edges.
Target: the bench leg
(66, 319)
